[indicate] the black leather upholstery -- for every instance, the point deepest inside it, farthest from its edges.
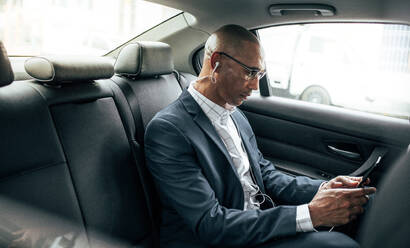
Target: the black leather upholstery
(6, 73)
(66, 69)
(144, 59)
(153, 94)
(103, 170)
(147, 67)
(388, 223)
(148, 87)
(146, 94)
(66, 156)
(186, 79)
(94, 137)
(71, 166)
(36, 192)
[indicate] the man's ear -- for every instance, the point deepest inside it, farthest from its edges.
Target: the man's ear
(215, 57)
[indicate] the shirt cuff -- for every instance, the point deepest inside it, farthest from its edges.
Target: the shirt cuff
(303, 221)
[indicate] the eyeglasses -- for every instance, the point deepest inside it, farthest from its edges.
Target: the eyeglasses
(252, 71)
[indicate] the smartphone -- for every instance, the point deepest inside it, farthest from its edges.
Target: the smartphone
(369, 171)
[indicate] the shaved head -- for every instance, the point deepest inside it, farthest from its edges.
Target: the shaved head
(229, 38)
(232, 54)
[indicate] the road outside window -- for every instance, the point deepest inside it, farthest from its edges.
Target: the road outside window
(364, 67)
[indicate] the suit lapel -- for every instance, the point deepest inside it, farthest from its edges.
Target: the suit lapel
(236, 116)
(205, 124)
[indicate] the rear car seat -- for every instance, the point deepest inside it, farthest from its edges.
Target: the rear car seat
(68, 172)
(392, 201)
(146, 70)
(36, 193)
(184, 78)
(145, 75)
(72, 166)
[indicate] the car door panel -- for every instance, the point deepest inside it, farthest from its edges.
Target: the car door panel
(298, 136)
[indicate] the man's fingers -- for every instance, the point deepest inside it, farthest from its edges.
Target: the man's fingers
(356, 192)
(359, 201)
(334, 184)
(369, 190)
(356, 210)
(358, 179)
(347, 181)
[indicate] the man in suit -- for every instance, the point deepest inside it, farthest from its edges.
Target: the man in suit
(216, 189)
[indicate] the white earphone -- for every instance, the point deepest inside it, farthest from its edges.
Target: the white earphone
(213, 71)
(211, 75)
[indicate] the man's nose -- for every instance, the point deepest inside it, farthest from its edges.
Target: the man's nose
(253, 83)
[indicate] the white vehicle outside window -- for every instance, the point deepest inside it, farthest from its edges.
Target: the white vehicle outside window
(364, 67)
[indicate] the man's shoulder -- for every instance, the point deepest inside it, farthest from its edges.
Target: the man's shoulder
(169, 123)
(173, 114)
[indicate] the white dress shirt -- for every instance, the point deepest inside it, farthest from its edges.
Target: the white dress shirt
(221, 119)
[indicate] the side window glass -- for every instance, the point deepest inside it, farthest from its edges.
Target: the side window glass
(364, 67)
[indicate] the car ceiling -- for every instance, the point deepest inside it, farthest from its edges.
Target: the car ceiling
(211, 14)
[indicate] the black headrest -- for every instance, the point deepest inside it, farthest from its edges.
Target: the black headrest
(68, 68)
(145, 59)
(6, 73)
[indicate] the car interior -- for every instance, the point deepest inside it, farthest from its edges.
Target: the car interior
(72, 128)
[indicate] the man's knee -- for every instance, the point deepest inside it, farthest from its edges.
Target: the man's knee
(330, 239)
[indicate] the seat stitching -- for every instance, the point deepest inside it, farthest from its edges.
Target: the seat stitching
(30, 171)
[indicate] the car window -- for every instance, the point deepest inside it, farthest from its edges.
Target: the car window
(363, 67)
(87, 27)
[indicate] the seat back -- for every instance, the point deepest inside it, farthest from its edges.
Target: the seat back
(388, 222)
(95, 138)
(68, 170)
(147, 68)
(71, 166)
(144, 74)
(36, 191)
(185, 79)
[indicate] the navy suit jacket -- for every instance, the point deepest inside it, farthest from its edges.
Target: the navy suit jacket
(201, 195)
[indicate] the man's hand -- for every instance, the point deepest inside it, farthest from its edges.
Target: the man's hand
(338, 206)
(344, 182)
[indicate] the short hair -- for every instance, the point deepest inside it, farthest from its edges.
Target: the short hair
(229, 37)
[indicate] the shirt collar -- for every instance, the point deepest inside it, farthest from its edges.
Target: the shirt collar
(215, 112)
